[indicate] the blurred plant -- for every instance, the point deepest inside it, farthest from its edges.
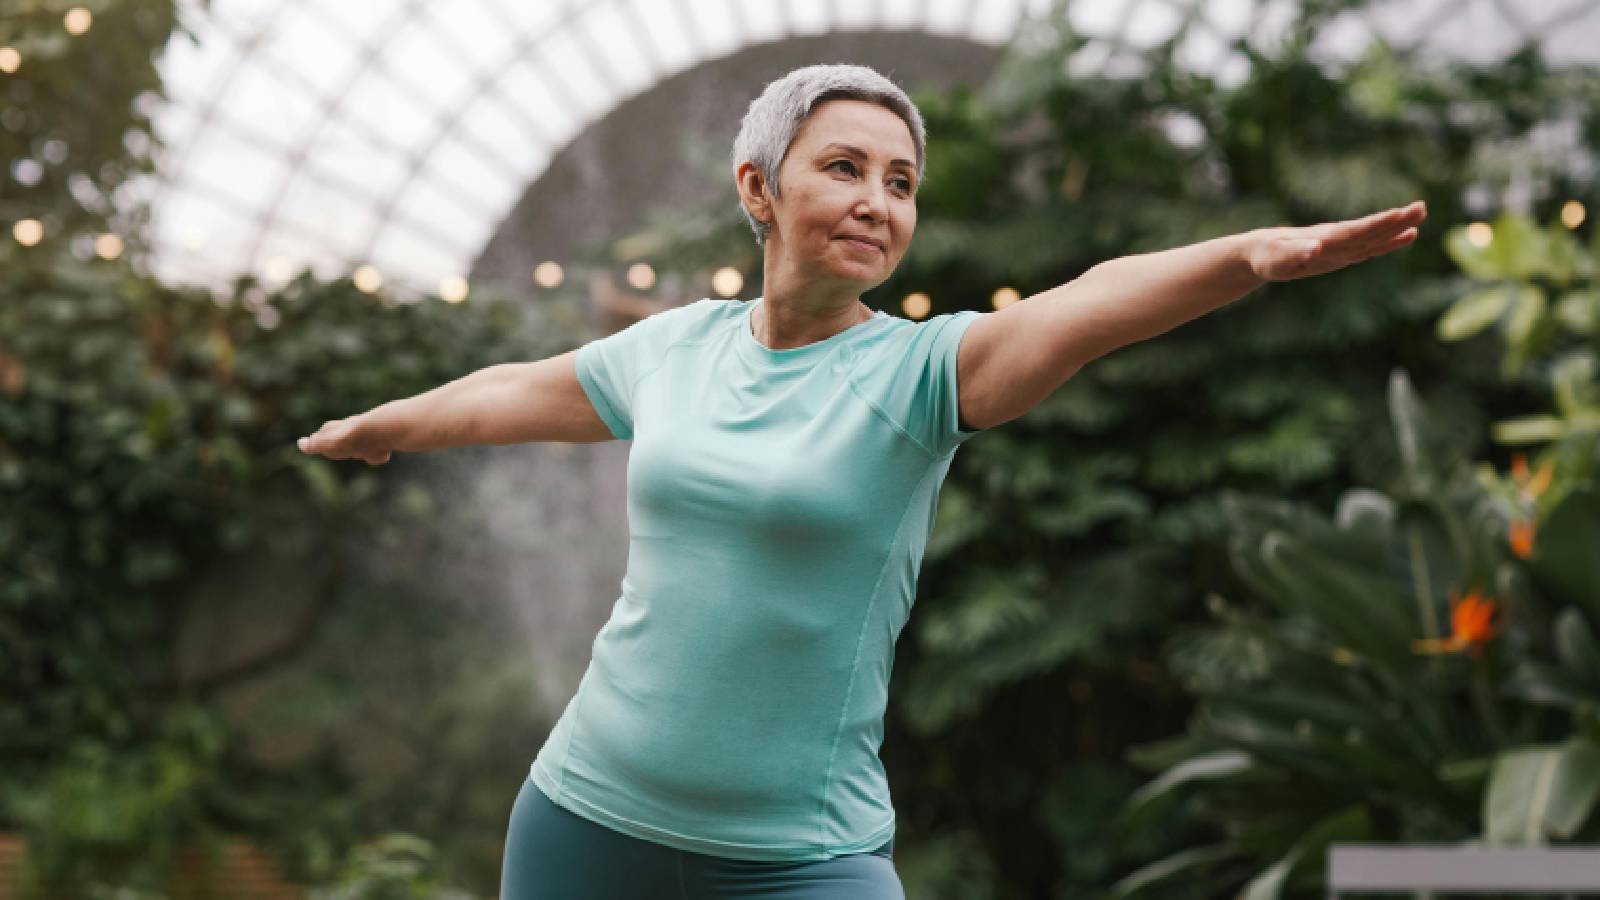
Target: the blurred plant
(1516, 267)
(1335, 720)
(1489, 728)
(75, 122)
(392, 867)
(146, 444)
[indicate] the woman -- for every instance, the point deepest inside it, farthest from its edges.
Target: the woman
(787, 459)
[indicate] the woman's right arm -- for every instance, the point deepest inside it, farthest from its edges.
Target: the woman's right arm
(510, 403)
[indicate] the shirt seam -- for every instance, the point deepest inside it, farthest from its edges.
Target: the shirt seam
(634, 386)
(861, 633)
(687, 340)
(894, 426)
(566, 750)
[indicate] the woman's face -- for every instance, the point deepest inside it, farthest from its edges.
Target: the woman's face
(848, 204)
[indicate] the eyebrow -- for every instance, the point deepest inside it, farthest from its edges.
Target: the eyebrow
(853, 150)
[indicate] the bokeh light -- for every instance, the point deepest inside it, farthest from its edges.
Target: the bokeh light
(1572, 214)
(641, 276)
(453, 289)
(548, 274)
(367, 278)
(727, 281)
(28, 232)
(77, 20)
(1004, 297)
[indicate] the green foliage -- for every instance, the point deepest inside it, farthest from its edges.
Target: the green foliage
(87, 143)
(392, 867)
(1338, 706)
(147, 443)
(1332, 699)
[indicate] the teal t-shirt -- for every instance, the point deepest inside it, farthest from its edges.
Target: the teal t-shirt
(779, 502)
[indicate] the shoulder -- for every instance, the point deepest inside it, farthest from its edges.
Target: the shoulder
(904, 340)
(686, 322)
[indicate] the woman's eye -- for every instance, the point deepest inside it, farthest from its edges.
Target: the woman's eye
(843, 162)
(904, 183)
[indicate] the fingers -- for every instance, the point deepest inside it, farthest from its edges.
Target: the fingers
(1396, 242)
(1380, 226)
(325, 441)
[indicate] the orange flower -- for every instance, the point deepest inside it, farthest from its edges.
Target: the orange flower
(1535, 485)
(1473, 623)
(1522, 532)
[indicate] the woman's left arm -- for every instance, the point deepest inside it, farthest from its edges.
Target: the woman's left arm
(1015, 357)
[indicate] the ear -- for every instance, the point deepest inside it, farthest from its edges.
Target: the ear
(753, 191)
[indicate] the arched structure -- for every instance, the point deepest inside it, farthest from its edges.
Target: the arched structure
(404, 134)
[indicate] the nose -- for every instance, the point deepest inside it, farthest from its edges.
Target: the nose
(873, 204)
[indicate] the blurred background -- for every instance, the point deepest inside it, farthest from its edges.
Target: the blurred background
(1320, 566)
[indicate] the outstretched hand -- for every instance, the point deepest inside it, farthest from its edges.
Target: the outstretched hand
(1283, 254)
(339, 439)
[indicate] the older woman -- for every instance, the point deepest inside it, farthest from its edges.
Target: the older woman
(787, 458)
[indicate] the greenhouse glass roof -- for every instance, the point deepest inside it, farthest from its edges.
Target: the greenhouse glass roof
(398, 133)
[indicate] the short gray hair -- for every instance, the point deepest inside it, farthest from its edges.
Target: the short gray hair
(775, 117)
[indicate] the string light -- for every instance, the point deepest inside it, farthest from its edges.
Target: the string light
(77, 20)
(10, 59)
(453, 289)
(28, 232)
(1004, 297)
(1572, 214)
(367, 279)
(641, 276)
(727, 281)
(1479, 234)
(548, 274)
(916, 305)
(109, 246)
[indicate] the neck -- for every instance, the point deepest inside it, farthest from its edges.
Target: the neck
(796, 310)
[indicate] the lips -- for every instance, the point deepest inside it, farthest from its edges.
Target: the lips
(860, 240)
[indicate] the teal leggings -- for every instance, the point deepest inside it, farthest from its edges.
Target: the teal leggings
(554, 854)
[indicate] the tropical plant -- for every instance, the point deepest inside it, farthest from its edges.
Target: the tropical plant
(394, 867)
(146, 446)
(1432, 671)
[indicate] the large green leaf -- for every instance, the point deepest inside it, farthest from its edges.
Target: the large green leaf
(1479, 262)
(1539, 793)
(1410, 421)
(1183, 863)
(1547, 685)
(1350, 824)
(1365, 610)
(1473, 313)
(1527, 312)
(1566, 558)
(1157, 796)
(1577, 647)
(1300, 746)
(1535, 429)
(1580, 312)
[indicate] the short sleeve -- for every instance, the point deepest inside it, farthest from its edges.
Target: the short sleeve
(609, 368)
(923, 391)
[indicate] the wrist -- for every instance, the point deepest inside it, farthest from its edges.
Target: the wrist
(1246, 256)
(382, 427)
